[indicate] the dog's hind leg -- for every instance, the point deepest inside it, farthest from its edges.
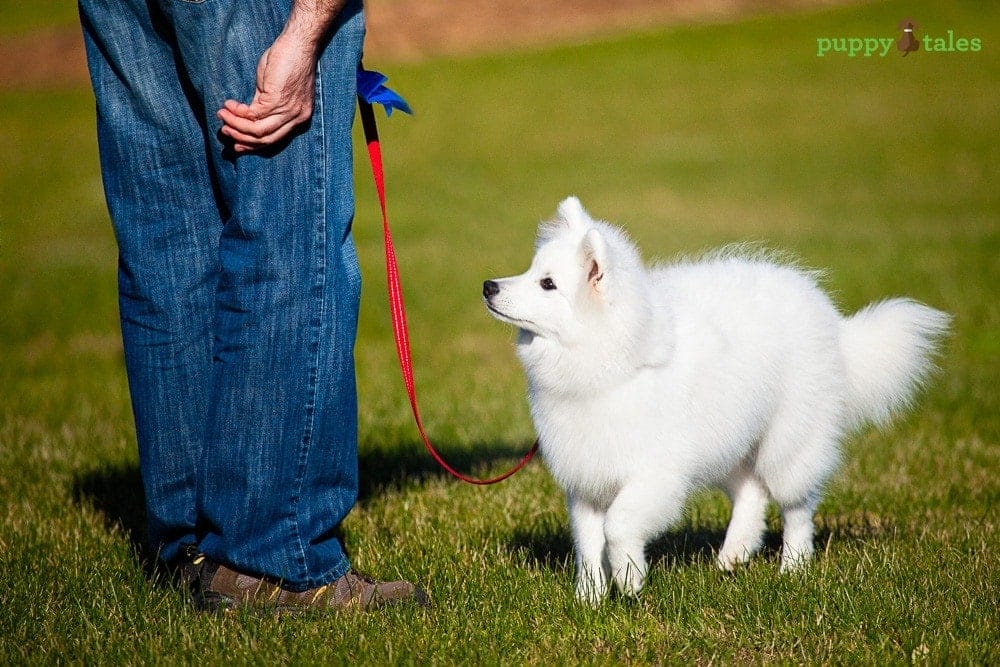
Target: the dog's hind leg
(745, 534)
(797, 547)
(796, 458)
(592, 577)
(639, 512)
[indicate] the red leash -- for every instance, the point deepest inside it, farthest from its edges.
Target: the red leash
(398, 310)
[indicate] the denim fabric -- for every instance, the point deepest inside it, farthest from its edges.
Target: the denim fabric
(238, 283)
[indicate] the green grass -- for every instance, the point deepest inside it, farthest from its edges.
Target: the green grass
(22, 17)
(884, 171)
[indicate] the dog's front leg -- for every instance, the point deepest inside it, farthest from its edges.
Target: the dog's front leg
(588, 539)
(640, 511)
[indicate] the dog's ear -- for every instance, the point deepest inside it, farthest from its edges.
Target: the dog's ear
(595, 255)
(570, 215)
(571, 211)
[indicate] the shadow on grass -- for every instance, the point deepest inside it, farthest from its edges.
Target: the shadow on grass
(116, 492)
(551, 546)
(384, 471)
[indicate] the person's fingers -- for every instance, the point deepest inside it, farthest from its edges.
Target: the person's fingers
(251, 142)
(283, 101)
(258, 136)
(254, 125)
(265, 104)
(236, 108)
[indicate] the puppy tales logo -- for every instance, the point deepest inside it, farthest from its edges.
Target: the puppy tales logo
(908, 43)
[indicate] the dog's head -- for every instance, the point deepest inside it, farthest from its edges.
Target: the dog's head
(586, 286)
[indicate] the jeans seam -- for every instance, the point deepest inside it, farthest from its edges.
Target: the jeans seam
(318, 132)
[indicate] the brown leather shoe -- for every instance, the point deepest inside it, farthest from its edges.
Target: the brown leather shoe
(220, 588)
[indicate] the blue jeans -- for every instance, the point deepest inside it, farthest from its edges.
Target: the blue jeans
(238, 283)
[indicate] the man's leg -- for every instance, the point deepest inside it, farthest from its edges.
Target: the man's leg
(279, 469)
(166, 220)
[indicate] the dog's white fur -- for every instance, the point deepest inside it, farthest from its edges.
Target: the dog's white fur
(646, 384)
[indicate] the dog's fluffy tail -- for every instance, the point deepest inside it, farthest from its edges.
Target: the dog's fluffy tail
(889, 350)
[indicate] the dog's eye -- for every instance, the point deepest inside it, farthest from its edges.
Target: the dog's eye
(547, 284)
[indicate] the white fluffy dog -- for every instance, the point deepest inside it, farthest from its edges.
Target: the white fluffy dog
(646, 384)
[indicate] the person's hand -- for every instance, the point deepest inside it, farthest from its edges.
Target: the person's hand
(286, 82)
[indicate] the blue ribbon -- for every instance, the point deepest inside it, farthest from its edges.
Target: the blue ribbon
(372, 89)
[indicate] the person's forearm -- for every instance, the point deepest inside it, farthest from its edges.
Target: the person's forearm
(310, 20)
(286, 77)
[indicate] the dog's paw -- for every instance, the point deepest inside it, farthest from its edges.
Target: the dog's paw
(793, 562)
(591, 593)
(630, 581)
(729, 561)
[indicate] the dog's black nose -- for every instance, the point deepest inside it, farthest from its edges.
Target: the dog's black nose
(490, 288)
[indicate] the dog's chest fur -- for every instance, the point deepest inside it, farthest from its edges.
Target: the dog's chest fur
(575, 443)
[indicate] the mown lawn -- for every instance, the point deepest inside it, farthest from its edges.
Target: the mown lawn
(881, 170)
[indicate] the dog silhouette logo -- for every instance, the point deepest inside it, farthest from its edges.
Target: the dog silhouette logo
(908, 42)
